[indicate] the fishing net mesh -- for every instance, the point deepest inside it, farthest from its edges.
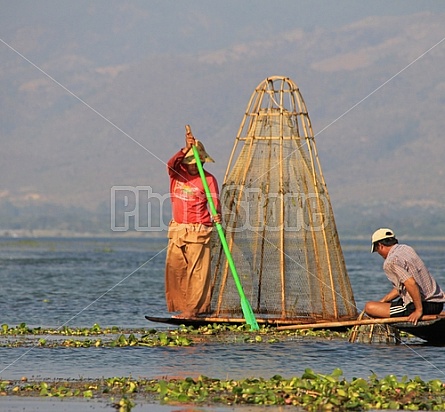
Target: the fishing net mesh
(278, 219)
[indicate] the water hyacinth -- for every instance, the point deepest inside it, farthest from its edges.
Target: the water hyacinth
(182, 336)
(311, 391)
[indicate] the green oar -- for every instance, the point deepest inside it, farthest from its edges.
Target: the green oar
(245, 305)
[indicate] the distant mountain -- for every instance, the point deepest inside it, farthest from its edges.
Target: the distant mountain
(84, 120)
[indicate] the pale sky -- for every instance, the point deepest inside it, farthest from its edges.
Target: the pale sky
(198, 25)
(151, 66)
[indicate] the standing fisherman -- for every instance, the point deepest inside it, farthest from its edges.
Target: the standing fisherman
(187, 268)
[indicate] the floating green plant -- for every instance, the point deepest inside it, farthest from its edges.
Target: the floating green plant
(312, 391)
(24, 329)
(96, 336)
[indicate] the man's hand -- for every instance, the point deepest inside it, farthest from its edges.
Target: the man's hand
(390, 296)
(415, 316)
(189, 140)
(217, 218)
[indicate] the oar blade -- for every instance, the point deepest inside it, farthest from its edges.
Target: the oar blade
(248, 314)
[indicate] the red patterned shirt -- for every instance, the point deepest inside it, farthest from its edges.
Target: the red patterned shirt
(188, 197)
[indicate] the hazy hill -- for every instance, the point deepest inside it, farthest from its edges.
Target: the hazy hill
(82, 111)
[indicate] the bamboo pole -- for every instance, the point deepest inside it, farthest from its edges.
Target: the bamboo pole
(355, 329)
(282, 209)
(373, 321)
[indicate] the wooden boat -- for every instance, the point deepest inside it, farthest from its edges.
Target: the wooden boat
(205, 320)
(430, 329)
(433, 331)
(179, 321)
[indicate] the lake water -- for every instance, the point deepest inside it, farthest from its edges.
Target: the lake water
(115, 282)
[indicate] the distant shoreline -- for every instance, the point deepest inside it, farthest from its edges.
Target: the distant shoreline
(35, 234)
(38, 234)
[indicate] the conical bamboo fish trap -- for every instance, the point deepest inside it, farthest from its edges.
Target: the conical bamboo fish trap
(278, 218)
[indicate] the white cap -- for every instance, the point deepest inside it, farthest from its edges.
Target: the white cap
(380, 234)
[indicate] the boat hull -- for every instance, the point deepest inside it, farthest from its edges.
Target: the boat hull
(433, 331)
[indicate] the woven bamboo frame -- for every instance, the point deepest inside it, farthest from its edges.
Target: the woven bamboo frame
(278, 218)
